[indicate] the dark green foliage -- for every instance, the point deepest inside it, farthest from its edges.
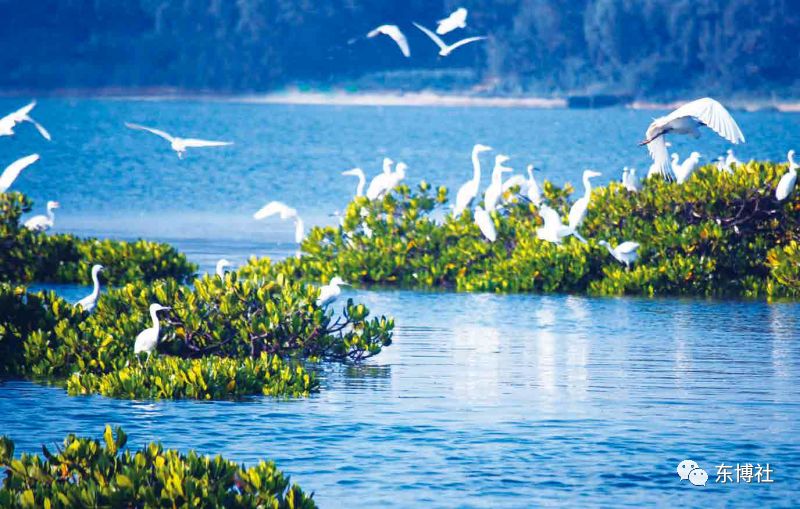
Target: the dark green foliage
(89, 473)
(30, 256)
(717, 234)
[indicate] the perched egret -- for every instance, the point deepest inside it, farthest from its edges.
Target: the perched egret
(633, 185)
(41, 222)
(485, 223)
(362, 179)
(577, 213)
(553, 229)
(675, 162)
(731, 160)
(13, 170)
(534, 192)
(220, 268)
(284, 212)
(456, 19)
(495, 189)
(179, 145)
(468, 191)
(722, 165)
(687, 167)
(624, 253)
(90, 301)
(686, 120)
(396, 35)
(386, 181)
(10, 121)
(788, 181)
(330, 292)
(147, 340)
(444, 49)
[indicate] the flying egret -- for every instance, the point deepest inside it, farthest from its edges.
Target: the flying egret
(675, 162)
(88, 303)
(731, 160)
(687, 167)
(456, 19)
(284, 212)
(13, 170)
(10, 121)
(220, 268)
(444, 49)
(577, 213)
(330, 292)
(553, 230)
(41, 222)
(686, 120)
(624, 253)
(396, 35)
(534, 191)
(468, 191)
(485, 223)
(362, 179)
(495, 189)
(179, 145)
(147, 340)
(787, 182)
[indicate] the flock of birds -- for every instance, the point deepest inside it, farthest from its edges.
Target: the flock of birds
(457, 19)
(685, 120)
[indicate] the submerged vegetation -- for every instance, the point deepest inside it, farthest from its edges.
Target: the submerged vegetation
(88, 473)
(35, 256)
(718, 234)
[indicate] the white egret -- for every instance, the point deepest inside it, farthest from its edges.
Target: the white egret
(395, 34)
(485, 223)
(634, 185)
(444, 49)
(625, 177)
(386, 181)
(553, 230)
(179, 145)
(675, 162)
(330, 292)
(456, 19)
(722, 165)
(147, 340)
(687, 167)
(41, 222)
(731, 160)
(284, 212)
(534, 191)
(13, 170)
(788, 181)
(577, 213)
(686, 120)
(624, 253)
(467, 192)
(495, 189)
(219, 270)
(90, 301)
(10, 121)
(362, 179)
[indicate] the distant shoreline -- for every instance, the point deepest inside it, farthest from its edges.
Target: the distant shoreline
(385, 98)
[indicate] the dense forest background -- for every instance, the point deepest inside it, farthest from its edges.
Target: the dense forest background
(646, 48)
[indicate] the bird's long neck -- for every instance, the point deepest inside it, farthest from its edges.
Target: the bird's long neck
(792, 165)
(362, 181)
(156, 325)
(497, 176)
(50, 214)
(476, 167)
(587, 186)
(610, 250)
(96, 282)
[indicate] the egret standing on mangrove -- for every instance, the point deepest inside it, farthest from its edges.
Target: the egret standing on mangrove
(219, 270)
(90, 301)
(330, 292)
(42, 223)
(788, 181)
(485, 224)
(467, 192)
(577, 213)
(147, 340)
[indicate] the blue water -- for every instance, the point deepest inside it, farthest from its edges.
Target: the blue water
(482, 400)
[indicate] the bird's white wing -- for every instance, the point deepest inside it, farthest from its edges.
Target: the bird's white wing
(713, 114)
(275, 207)
(628, 247)
(435, 38)
(577, 212)
(397, 36)
(468, 40)
(39, 127)
(550, 217)
(194, 142)
(658, 151)
(21, 113)
(453, 21)
(157, 132)
(12, 171)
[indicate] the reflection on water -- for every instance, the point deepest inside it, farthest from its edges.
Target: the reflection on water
(503, 401)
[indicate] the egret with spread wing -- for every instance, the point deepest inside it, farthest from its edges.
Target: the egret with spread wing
(395, 34)
(456, 19)
(179, 145)
(686, 120)
(284, 212)
(444, 49)
(10, 121)
(13, 170)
